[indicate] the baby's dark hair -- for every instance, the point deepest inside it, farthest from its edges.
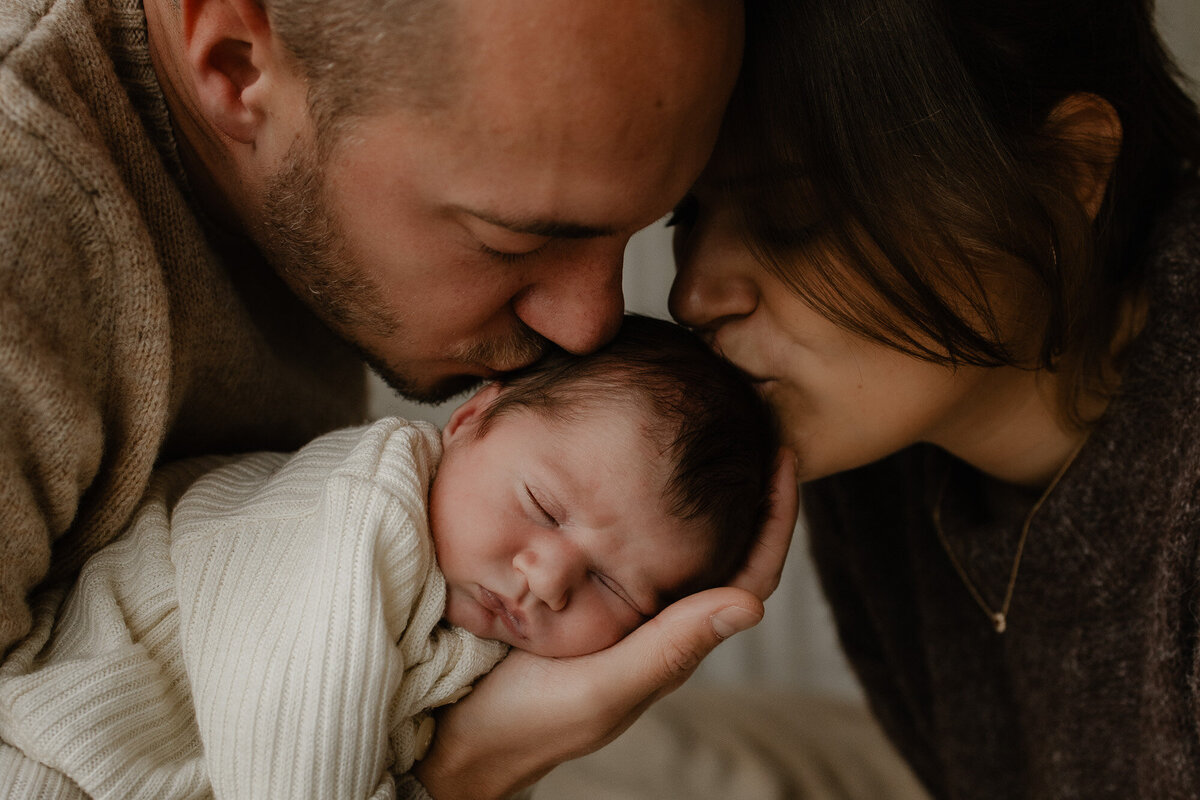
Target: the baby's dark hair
(721, 437)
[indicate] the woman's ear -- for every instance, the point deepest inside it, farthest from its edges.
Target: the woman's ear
(466, 416)
(1090, 130)
(230, 51)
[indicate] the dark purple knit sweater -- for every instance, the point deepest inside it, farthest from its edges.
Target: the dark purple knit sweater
(1093, 691)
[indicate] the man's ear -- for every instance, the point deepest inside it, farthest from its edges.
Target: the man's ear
(229, 49)
(466, 416)
(1090, 129)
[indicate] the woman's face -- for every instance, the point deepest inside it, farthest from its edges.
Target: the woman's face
(843, 400)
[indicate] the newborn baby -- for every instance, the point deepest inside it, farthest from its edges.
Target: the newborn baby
(279, 625)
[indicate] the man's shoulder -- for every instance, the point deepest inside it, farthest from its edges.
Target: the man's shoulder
(79, 174)
(63, 204)
(17, 19)
(54, 81)
(76, 90)
(42, 39)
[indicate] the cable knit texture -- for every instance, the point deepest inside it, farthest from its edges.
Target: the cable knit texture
(273, 632)
(1093, 690)
(128, 330)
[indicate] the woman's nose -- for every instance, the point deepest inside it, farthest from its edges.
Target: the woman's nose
(706, 294)
(552, 567)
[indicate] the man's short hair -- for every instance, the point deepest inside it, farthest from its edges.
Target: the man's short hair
(701, 411)
(352, 52)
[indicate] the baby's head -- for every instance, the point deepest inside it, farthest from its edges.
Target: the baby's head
(578, 497)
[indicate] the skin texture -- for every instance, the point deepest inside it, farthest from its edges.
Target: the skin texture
(552, 534)
(449, 244)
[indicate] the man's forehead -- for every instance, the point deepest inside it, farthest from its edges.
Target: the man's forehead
(595, 58)
(579, 118)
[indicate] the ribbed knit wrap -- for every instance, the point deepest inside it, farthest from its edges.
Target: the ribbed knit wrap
(273, 632)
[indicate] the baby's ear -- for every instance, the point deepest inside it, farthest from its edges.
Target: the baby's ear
(466, 416)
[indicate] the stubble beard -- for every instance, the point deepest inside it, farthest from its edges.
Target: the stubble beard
(303, 241)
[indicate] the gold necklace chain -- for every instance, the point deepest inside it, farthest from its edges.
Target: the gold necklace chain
(999, 619)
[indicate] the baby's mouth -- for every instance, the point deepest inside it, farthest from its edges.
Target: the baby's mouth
(498, 606)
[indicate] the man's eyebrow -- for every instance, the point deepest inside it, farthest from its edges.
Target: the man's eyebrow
(555, 229)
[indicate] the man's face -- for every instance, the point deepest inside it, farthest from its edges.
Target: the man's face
(450, 245)
(553, 535)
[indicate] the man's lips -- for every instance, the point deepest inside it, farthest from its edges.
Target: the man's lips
(511, 617)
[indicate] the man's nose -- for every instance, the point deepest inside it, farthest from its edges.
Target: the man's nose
(704, 294)
(553, 567)
(577, 303)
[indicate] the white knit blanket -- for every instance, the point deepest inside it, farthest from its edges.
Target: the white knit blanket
(274, 632)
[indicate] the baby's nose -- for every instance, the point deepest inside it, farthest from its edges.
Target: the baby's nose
(553, 567)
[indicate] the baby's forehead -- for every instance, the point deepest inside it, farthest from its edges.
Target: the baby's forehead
(579, 420)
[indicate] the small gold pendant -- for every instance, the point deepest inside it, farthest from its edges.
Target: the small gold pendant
(999, 622)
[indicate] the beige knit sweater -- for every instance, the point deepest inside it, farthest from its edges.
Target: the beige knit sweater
(273, 632)
(127, 330)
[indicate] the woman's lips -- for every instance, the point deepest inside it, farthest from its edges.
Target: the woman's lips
(751, 370)
(504, 612)
(758, 380)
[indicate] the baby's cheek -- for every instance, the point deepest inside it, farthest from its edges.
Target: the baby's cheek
(624, 621)
(607, 636)
(603, 627)
(464, 614)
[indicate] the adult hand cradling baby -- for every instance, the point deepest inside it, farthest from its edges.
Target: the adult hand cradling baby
(532, 713)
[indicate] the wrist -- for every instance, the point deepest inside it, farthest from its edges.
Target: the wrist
(448, 772)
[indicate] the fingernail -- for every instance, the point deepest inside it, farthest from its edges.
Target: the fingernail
(731, 620)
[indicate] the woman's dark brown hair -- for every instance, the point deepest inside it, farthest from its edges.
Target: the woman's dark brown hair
(895, 165)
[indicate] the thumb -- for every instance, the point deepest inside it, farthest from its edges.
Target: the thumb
(673, 643)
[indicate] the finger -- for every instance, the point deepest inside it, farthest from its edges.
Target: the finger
(764, 566)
